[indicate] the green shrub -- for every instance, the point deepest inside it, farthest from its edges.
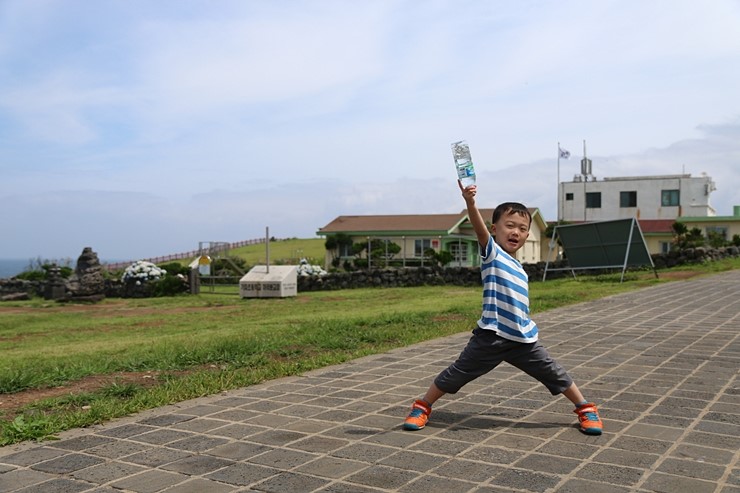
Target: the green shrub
(169, 285)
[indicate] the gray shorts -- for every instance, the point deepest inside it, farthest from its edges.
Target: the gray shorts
(486, 350)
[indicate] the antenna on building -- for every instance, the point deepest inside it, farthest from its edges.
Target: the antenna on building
(585, 165)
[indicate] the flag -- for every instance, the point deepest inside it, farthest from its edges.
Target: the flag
(563, 153)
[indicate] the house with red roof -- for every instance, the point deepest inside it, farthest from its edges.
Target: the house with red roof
(415, 233)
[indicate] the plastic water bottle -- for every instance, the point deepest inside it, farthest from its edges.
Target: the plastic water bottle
(463, 163)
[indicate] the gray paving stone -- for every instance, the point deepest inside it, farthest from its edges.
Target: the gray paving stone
(702, 454)
(276, 437)
(713, 440)
(289, 482)
(692, 469)
(126, 431)
(82, 443)
(413, 461)
(666, 483)
(548, 464)
(32, 456)
(492, 455)
(150, 481)
(332, 467)
(626, 458)
(468, 470)
(283, 459)
(442, 447)
(118, 448)
(236, 415)
(161, 436)
(525, 480)
(67, 463)
(343, 487)
(383, 477)
(16, 479)
(165, 419)
(608, 473)
(59, 485)
(197, 465)
(107, 472)
(512, 441)
(583, 486)
(156, 457)
(364, 452)
(200, 485)
(644, 445)
(239, 450)
(198, 443)
(319, 444)
(237, 431)
(435, 483)
(242, 474)
(199, 425)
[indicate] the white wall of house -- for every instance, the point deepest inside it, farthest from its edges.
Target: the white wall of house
(645, 197)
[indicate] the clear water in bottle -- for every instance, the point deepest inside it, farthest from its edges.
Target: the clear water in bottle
(463, 163)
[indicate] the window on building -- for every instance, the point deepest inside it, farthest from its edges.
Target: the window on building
(665, 246)
(717, 231)
(568, 196)
(420, 246)
(593, 200)
(459, 252)
(345, 250)
(669, 198)
(627, 199)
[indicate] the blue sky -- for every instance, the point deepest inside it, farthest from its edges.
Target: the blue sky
(141, 128)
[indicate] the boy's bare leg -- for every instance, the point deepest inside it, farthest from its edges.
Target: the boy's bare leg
(574, 395)
(433, 393)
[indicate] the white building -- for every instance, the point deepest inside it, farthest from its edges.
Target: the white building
(587, 198)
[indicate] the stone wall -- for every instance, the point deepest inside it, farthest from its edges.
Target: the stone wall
(466, 276)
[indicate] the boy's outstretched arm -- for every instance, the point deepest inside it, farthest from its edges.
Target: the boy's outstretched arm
(479, 225)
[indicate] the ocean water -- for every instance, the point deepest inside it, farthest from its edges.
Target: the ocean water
(12, 267)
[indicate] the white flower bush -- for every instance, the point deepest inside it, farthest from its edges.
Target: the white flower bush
(305, 269)
(141, 272)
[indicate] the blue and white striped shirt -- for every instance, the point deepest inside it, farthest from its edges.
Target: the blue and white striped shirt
(505, 296)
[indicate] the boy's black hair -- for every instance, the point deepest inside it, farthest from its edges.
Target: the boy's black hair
(511, 208)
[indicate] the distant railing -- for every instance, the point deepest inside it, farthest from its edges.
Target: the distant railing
(179, 256)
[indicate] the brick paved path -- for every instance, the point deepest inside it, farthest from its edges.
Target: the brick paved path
(661, 362)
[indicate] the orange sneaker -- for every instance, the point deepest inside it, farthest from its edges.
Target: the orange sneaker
(588, 417)
(418, 417)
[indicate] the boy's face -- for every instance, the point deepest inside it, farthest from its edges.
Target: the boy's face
(511, 231)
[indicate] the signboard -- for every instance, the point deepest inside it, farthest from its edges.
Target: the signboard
(602, 245)
(279, 281)
(204, 265)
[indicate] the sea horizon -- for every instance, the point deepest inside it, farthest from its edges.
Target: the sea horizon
(10, 267)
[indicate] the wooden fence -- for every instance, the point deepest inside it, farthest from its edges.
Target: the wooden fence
(179, 256)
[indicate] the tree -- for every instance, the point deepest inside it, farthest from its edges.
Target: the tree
(380, 250)
(441, 258)
(685, 238)
(337, 243)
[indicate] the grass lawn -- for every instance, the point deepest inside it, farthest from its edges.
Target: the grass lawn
(68, 365)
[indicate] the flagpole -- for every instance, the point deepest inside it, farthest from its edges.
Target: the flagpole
(558, 183)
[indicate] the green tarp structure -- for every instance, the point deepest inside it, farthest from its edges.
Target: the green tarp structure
(601, 245)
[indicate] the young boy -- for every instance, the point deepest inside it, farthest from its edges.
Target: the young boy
(504, 332)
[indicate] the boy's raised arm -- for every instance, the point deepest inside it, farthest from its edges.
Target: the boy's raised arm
(479, 225)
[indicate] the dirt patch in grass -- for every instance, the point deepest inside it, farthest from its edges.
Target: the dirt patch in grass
(678, 275)
(11, 405)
